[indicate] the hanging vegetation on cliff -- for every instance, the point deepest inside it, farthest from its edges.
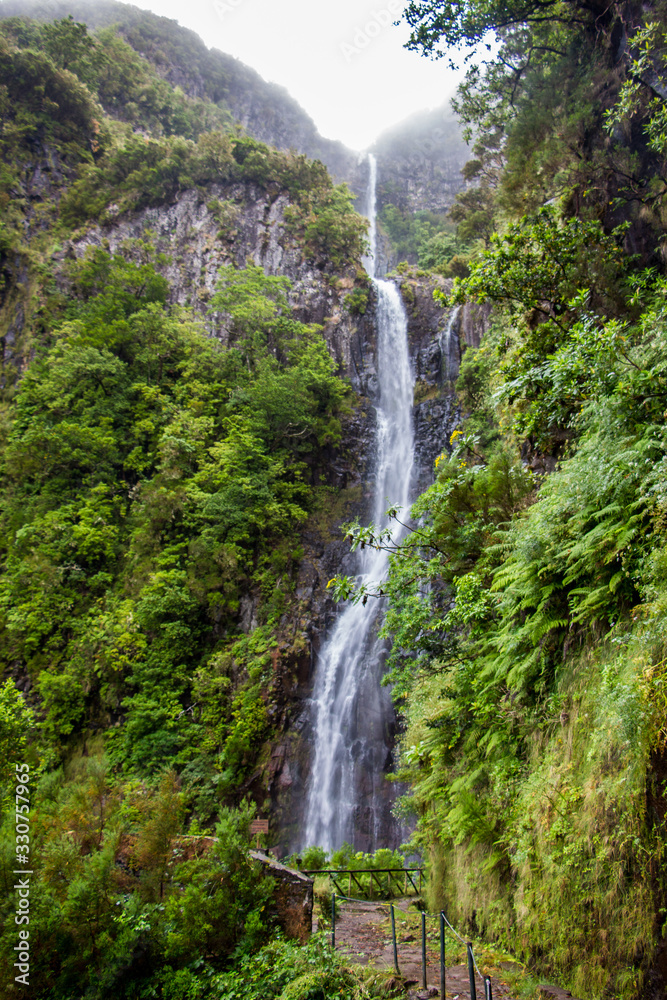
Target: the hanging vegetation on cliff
(526, 611)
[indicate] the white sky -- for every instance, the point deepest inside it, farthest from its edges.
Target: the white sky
(343, 61)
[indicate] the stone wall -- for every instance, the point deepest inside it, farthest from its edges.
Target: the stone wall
(292, 897)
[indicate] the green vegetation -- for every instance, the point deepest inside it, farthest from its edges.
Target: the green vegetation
(425, 238)
(158, 466)
(128, 139)
(284, 971)
(151, 478)
(117, 887)
(526, 609)
(366, 886)
(124, 905)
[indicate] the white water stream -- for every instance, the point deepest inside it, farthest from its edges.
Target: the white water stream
(352, 714)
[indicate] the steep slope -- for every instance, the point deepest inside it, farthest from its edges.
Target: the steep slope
(172, 446)
(422, 160)
(419, 160)
(179, 56)
(420, 163)
(187, 398)
(527, 611)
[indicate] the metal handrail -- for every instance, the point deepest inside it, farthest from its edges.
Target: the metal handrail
(360, 871)
(352, 876)
(444, 922)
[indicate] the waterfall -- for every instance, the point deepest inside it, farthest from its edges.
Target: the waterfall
(449, 347)
(352, 714)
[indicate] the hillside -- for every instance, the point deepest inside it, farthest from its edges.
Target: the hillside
(420, 163)
(265, 110)
(191, 424)
(420, 160)
(174, 437)
(188, 385)
(527, 612)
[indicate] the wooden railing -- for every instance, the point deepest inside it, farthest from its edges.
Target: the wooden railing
(400, 877)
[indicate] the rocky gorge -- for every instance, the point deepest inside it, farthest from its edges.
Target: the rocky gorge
(195, 232)
(237, 223)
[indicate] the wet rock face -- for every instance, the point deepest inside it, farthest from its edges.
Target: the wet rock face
(474, 323)
(420, 161)
(419, 166)
(198, 238)
(199, 242)
(435, 351)
(38, 191)
(234, 224)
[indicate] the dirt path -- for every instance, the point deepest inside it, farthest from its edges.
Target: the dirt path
(363, 931)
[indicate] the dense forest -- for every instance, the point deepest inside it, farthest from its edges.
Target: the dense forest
(527, 610)
(174, 419)
(158, 462)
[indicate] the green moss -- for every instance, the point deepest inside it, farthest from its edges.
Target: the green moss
(569, 883)
(423, 392)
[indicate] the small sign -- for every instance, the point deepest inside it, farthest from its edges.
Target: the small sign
(258, 826)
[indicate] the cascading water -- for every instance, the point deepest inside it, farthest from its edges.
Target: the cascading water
(352, 714)
(449, 347)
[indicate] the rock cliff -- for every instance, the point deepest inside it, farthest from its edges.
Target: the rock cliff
(419, 160)
(236, 223)
(202, 229)
(419, 169)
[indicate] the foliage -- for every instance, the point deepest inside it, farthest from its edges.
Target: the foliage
(125, 83)
(506, 583)
(331, 228)
(539, 264)
(525, 601)
(122, 901)
(16, 723)
(357, 301)
(155, 480)
(426, 238)
(455, 25)
(283, 970)
(60, 82)
(346, 858)
(146, 172)
(640, 96)
(149, 473)
(516, 721)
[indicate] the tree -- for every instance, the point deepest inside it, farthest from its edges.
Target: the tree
(253, 301)
(16, 724)
(441, 25)
(70, 46)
